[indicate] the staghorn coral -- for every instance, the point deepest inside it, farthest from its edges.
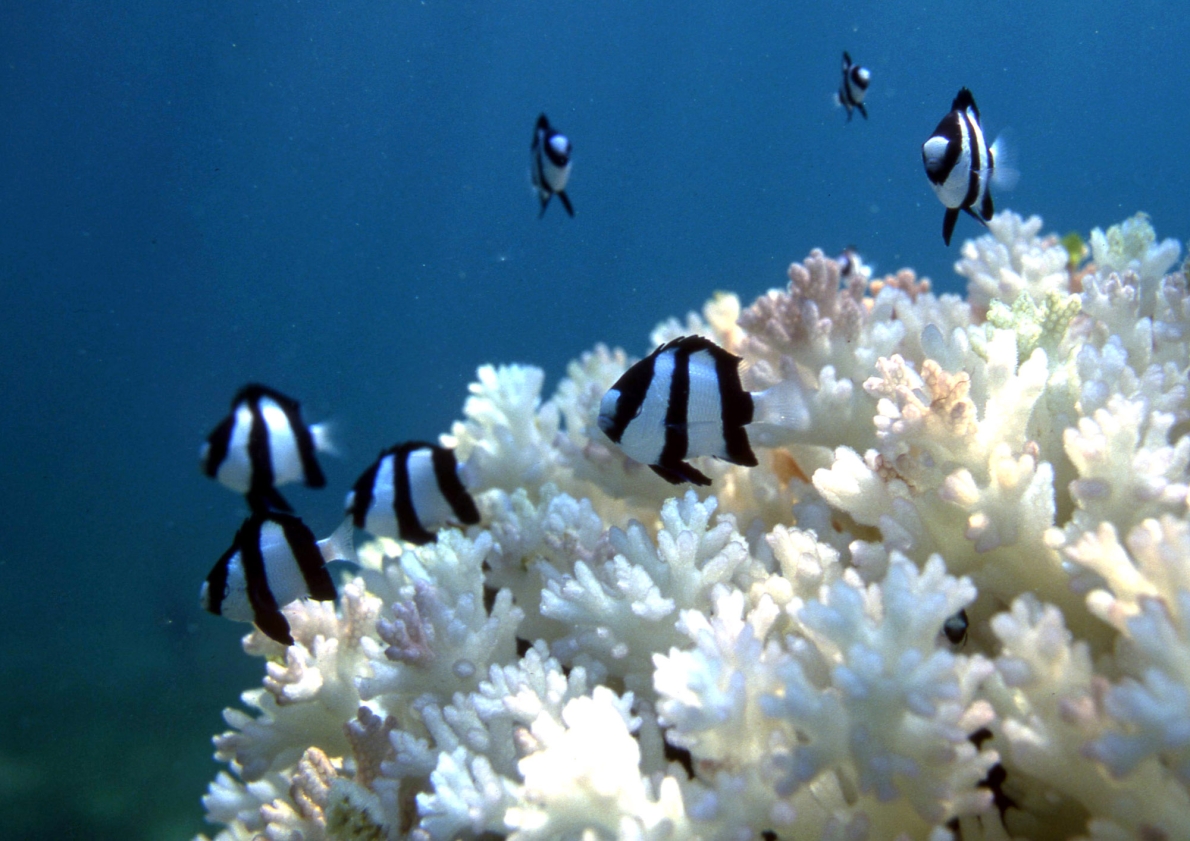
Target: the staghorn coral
(603, 659)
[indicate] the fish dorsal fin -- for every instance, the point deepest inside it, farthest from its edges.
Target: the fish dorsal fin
(963, 101)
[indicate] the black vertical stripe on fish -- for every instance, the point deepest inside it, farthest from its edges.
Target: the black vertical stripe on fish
(950, 129)
(633, 387)
(217, 580)
(266, 614)
(364, 489)
(446, 474)
(677, 436)
(408, 524)
(975, 156)
(260, 456)
(737, 408)
(218, 443)
(304, 547)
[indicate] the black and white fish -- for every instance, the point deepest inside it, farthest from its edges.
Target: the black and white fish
(854, 87)
(962, 167)
(273, 561)
(685, 400)
(550, 164)
(264, 443)
(852, 265)
(409, 492)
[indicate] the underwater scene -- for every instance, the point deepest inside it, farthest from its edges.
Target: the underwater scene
(645, 420)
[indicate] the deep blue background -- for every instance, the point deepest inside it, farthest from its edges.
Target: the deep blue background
(334, 199)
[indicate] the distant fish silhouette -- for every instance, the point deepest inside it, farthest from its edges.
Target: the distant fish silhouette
(550, 162)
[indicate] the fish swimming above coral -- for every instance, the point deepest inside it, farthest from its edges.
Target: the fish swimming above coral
(962, 167)
(409, 492)
(274, 560)
(685, 400)
(948, 606)
(264, 443)
(550, 164)
(854, 87)
(851, 264)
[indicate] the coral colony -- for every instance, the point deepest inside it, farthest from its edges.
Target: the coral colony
(954, 602)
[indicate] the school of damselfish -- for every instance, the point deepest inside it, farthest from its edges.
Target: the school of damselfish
(683, 401)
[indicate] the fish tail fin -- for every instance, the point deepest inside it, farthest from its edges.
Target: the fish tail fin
(324, 438)
(340, 546)
(780, 414)
(1005, 171)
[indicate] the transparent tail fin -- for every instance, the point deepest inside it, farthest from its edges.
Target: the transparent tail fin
(1005, 171)
(324, 438)
(340, 546)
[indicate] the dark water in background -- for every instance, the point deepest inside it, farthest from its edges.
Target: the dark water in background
(333, 199)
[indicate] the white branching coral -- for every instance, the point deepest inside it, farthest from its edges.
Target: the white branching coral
(1011, 260)
(953, 603)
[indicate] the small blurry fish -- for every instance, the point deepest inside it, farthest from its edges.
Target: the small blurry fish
(409, 492)
(264, 443)
(550, 163)
(852, 265)
(955, 627)
(685, 400)
(273, 561)
(1076, 250)
(854, 87)
(961, 167)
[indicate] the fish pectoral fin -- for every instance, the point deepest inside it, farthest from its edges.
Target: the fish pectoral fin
(566, 203)
(681, 472)
(948, 221)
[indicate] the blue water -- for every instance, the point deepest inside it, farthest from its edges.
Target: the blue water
(333, 198)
